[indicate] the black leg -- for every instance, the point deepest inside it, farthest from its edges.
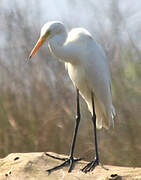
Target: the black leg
(95, 134)
(70, 161)
(75, 131)
(90, 166)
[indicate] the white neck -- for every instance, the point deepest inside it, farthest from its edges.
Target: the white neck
(56, 45)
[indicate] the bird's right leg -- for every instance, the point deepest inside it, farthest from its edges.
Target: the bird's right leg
(71, 160)
(90, 166)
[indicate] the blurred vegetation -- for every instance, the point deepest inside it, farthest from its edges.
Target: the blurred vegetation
(37, 99)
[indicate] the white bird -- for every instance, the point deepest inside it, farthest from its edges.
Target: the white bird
(88, 69)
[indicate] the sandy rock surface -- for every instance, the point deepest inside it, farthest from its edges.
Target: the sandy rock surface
(30, 166)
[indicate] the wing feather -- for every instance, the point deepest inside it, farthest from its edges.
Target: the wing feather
(98, 77)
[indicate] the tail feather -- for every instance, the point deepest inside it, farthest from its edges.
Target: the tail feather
(104, 119)
(104, 113)
(108, 120)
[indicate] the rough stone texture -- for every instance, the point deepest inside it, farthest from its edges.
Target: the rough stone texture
(30, 166)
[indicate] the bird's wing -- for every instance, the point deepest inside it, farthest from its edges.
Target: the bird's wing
(98, 77)
(96, 66)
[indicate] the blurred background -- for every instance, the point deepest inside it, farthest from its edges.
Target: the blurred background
(37, 98)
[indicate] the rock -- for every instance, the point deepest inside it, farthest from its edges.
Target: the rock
(31, 166)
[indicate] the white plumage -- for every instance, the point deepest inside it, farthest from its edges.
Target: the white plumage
(91, 73)
(87, 67)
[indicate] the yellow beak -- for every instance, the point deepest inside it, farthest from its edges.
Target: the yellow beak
(37, 46)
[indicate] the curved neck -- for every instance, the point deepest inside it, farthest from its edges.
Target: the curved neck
(56, 45)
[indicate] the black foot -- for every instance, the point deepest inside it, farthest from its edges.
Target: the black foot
(90, 166)
(67, 161)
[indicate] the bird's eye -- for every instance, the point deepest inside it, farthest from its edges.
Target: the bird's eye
(47, 34)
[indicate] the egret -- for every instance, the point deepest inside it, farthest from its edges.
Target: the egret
(88, 69)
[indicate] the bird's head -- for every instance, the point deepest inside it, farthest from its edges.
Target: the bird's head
(48, 31)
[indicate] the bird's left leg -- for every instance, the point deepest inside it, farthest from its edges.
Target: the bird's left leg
(71, 160)
(90, 166)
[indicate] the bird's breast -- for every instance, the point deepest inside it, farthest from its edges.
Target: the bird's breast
(78, 76)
